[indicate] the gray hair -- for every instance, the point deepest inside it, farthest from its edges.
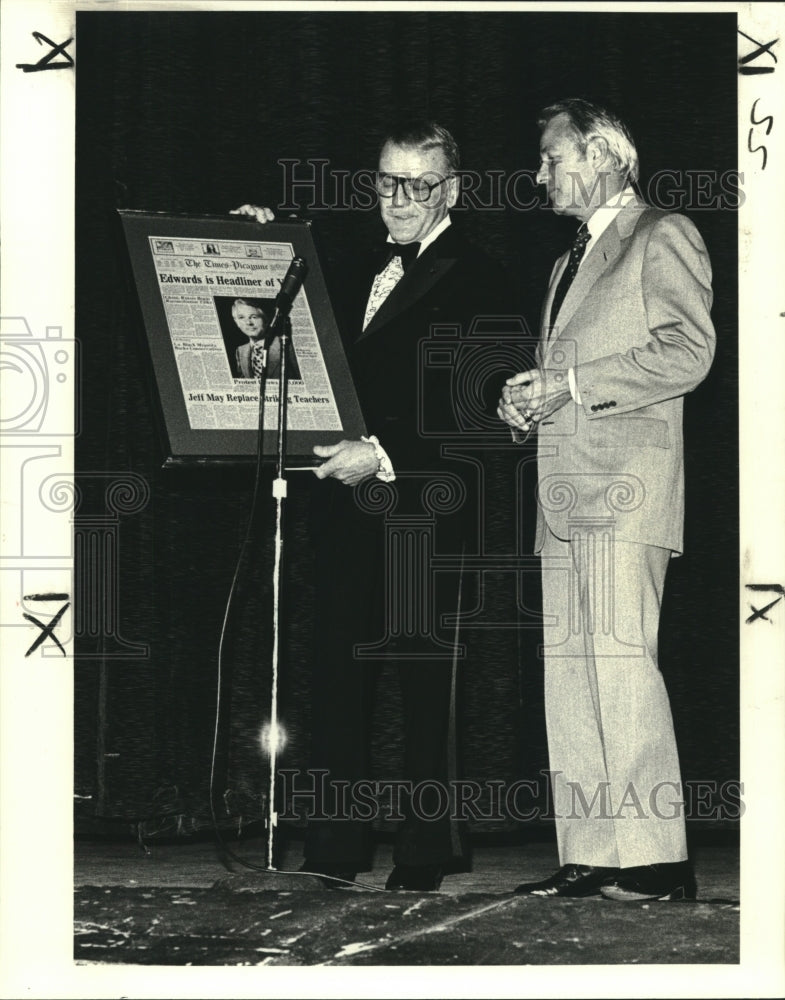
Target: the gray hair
(590, 121)
(253, 305)
(426, 135)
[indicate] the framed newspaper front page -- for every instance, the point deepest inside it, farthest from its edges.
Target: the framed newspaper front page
(207, 286)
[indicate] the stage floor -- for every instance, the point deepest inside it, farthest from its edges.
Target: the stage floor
(178, 904)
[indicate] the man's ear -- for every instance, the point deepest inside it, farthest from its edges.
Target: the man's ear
(597, 152)
(453, 186)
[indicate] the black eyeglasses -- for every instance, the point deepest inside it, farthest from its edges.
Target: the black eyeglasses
(415, 188)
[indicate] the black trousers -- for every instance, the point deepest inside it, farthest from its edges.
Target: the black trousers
(359, 580)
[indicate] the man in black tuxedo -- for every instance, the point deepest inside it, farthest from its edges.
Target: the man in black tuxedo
(425, 273)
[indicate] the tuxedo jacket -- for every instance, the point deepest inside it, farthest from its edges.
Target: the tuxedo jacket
(412, 400)
(635, 326)
(409, 397)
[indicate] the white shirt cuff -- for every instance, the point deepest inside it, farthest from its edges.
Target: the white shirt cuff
(385, 472)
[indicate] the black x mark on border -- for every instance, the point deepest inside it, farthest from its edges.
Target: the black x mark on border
(762, 47)
(45, 62)
(761, 613)
(47, 631)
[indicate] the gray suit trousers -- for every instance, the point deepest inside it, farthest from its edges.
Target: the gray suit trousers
(615, 775)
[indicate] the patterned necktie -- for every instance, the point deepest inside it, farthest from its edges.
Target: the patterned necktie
(577, 251)
(257, 352)
(399, 258)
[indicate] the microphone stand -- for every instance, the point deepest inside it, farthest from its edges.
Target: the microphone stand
(279, 492)
(280, 327)
(282, 880)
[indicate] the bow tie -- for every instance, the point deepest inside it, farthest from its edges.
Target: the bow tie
(406, 251)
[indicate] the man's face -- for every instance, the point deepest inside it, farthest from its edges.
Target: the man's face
(573, 184)
(250, 319)
(407, 220)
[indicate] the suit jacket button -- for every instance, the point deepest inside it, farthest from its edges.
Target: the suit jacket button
(593, 407)
(612, 402)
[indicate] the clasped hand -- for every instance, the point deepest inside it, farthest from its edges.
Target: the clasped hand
(348, 461)
(529, 397)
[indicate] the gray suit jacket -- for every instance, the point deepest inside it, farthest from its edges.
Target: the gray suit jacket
(636, 327)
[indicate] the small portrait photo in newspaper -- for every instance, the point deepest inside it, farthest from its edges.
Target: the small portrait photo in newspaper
(245, 324)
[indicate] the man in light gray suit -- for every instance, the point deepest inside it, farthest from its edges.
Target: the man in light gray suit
(626, 333)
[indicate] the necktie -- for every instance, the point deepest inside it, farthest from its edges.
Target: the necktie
(400, 256)
(577, 251)
(256, 358)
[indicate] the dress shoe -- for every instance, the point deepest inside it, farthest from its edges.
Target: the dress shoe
(332, 876)
(570, 880)
(663, 882)
(415, 878)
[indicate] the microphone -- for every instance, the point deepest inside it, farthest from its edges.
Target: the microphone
(292, 283)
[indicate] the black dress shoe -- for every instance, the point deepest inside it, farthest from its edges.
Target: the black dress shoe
(415, 878)
(570, 880)
(332, 876)
(664, 882)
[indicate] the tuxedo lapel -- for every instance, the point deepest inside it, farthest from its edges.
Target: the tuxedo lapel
(423, 274)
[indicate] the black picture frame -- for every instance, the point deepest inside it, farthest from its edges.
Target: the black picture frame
(208, 410)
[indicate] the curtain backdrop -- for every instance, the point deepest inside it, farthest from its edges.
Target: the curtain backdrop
(191, 113)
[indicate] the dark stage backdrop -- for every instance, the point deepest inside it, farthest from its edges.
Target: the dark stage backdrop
(190, 112)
